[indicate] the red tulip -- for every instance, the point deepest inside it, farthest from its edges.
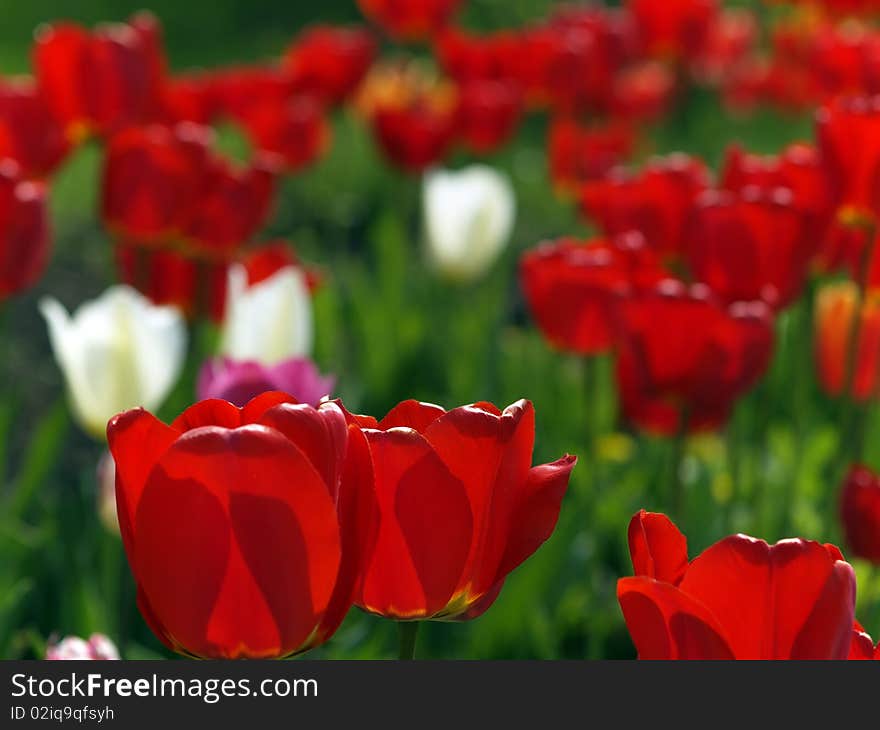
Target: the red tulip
(196, 286)
(487, 114)
(24, 230)
(676, 29)
(188, 97)
(29, 134)
(410, 19)
(234, 91)
(860, 512)
(739, 599)
(329, 62)
(572, 288)
(731, 38)
(656, 201)
(414, 137)
(245, 529)
(100, 81)
(460, 506)
(233, 205)
(295, 131)
(751, 245)
(848, 134)
(837, 307)
(643, 91)
(579, 154)
(152, 178)
(797, 168)
(567, 67)
(466, 57)
(684, 358)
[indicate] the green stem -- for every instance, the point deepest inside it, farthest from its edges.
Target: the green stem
(407, 632)
(676, 493)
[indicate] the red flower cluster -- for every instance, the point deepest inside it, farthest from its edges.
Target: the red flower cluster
(739, 599)
(179, 213)
(419, 516)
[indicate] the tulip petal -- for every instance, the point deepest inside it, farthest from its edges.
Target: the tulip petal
(411, 414)
(358, 519)
(254, 410)
(772, 600)
(824, 634)
(137, 439)
(657, 547)
(254, 573)
(491, 456)
(666, 623)
(321, 434)
(211, 412)
(537, 511)
(862, 646)
(422, 506)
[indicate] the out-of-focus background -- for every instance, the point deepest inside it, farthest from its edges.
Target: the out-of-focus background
(391, 330)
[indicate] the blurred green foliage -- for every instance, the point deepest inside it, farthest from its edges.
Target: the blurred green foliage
(391, 331)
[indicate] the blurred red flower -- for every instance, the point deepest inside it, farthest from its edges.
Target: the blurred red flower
(839, 310)
(330, 62)
(29, 134)
(749, 245)
(848, 137)
(266, 570)
(579, 154)
(195, 285)
(460, 506)
(860, 512)
(572, 287)
(656, 201)
(739, 599)
(797, 168)
(642, 92)
(467, 57)
(165, 186)
(684, 358)
(487, 114)
(862, 647)
(24, 230)
(188, 97)
(235, 89)
(410, 19)
(416, 136)
(676, 30)
(99, 81)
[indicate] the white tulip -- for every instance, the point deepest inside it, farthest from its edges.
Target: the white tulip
(116, 352)
(270, 321)
(469, 217)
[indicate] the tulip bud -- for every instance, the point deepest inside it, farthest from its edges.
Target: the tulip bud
(116, 352)
(469, 216)
(838, 312)
(69, 648)
(269, 321)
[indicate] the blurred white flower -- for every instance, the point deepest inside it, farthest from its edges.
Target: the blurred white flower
(270, 321)
(72, 647)
(469, 216)
(116, 352)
